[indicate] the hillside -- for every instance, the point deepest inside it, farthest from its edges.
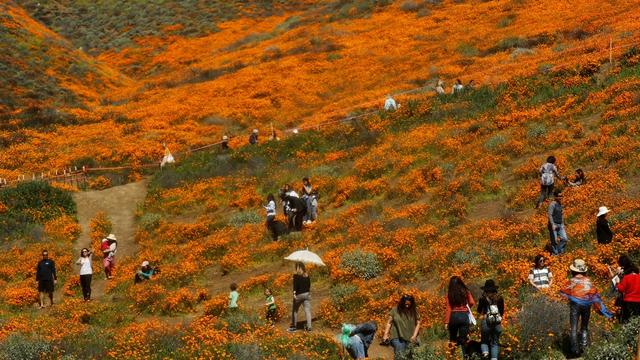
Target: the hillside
(444, 186)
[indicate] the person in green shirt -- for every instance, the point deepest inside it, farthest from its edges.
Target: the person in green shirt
(403, 326)
(270, 304)
(233, 296)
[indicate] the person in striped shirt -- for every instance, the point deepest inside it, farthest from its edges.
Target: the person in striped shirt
(540, 276)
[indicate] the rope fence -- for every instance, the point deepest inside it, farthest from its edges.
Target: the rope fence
(75, 176)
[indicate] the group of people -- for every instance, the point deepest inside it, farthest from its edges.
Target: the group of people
(299, 208)
(46, 270)
(457, 88)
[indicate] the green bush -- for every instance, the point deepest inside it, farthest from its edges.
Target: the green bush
(467, 50)
(150, 221)
(495, 142)
(239, 219)
(246, 351)
(536, 130)
(20, 347)
(609, 351)
(362, 264)
(240, 322)
(539, 317)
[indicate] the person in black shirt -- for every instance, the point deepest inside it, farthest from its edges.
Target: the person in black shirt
(603, 232)
(253, 138)
(46, 277)
(301, 296)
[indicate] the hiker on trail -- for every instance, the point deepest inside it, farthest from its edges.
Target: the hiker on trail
(548, 173)
(557, 231)
(629, 287)
(457, 88)
(491, 308)
(296, 209)
(582, 295)
(540, 276)
(233, 297)
(253, 138)
(270, 304)
(46, 278)
(603, 232)
(357, 339)
(301, 296)
(145, 272)
(403, 326)
(458, 316)
(86, 272)
(168, 157)
(271, 214)
(310, 196)
(109, 247)
(579, 179)
(224, 145)
(390, 104)
(440, 88)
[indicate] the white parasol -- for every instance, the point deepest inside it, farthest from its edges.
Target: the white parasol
(305, 257)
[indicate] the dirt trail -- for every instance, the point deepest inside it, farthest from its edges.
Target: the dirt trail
(120, 204)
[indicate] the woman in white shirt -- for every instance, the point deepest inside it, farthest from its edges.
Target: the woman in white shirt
(86, 271)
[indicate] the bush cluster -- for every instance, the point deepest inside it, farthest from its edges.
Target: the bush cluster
(362, 264)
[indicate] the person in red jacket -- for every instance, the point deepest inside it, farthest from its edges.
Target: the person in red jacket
(630, 288)
(457, 320)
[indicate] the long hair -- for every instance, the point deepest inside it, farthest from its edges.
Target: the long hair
(627, 265)
(537, 260)
(457, 293)
(83, 249)
(409, 312)
(270, 198)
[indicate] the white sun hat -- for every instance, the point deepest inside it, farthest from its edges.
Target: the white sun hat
(111, 237)
(145, 263)
(602, 210)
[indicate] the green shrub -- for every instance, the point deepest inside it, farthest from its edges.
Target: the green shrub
(539, 317)
(506, 21)
(608, 351)
(536, 130)
(345, 297)
(20, 347)
(246, 351)
(495, 142)
(362, 264)
(240, 322)
(467, 50)
(239, 219)
(150, 221)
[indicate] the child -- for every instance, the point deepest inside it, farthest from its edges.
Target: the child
(233, 297)
(271, 306)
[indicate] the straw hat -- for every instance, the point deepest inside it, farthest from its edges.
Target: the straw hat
(111, 237)
(145, 263)
(255, 131)
(579, 266)
(225, 137)
(602, 210)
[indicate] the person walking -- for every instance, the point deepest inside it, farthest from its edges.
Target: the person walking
(548, 174)
(271, 215)
(270, 304)
(224, 145)
(403, 326)
(301, 296)
(46, 278)
(581, 295)
(556, 226)
(109, 247)
(629, 287)
(310, 196)
(458, 314)
(491, 309)
(604, 235)
(540, 276)
(357, 339)
(440, 88)
(86, 272)
(253, 138)
(233, 297)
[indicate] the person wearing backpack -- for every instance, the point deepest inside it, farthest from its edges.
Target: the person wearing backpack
(491, 309)
(548, 174)
(557, 232)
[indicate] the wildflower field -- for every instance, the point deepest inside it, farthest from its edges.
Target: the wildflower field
(445, 185)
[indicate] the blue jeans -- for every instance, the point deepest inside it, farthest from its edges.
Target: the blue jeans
(490, 338)
(399, 348)
(584, 313)
(356, 348)
(312, 211)
(558, 238)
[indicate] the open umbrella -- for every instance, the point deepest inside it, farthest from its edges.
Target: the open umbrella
(305, 257)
